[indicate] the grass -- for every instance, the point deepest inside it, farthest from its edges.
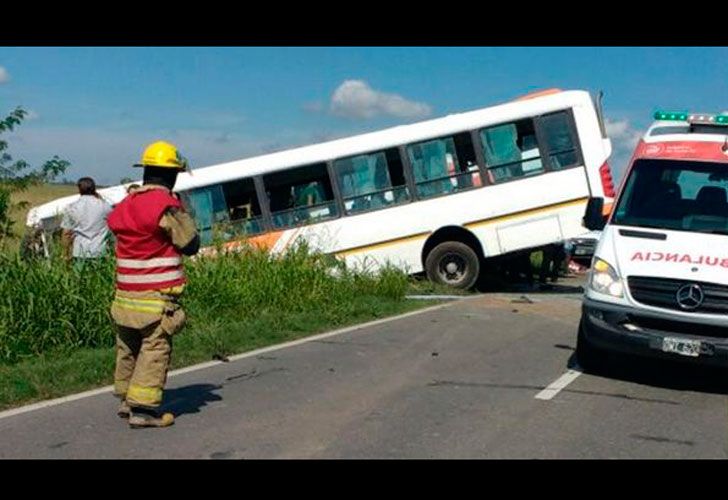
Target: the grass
(56, 336)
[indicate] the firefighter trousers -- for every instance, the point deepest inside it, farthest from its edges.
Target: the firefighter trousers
(144, 329)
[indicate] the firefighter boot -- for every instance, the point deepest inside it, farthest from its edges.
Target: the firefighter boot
(142, 417)
(124, 409)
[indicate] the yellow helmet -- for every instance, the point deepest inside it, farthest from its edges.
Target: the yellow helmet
(162, 154)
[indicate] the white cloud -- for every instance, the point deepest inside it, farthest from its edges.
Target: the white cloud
(4, 75)
(624, 139)
(616, 128)
(356, 99)
(622, 133)
(32, 115)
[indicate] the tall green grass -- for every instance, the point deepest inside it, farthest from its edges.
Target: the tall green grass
(51, 307)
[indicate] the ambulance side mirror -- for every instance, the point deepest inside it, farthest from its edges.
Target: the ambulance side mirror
(593, 218)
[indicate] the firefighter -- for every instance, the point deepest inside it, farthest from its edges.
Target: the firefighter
(152, 232)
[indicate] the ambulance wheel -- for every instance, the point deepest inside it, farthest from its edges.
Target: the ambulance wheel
(454, 264)
(589, 357)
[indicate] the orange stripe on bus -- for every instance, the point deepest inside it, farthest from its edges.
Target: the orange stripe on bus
(266, 240)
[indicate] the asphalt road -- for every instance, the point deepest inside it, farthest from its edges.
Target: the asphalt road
(463, 381)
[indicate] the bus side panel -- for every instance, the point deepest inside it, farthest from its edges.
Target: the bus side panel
(533, 212)
(405, 256)
(531, 231)
(528, 233)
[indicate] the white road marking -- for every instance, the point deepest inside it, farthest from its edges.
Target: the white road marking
(433, 297)
(208, 364)
(560, 383)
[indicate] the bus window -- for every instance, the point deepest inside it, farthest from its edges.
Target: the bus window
(243, 207)
(300, 195)
(207, 206)
(444, 165)
(371, 181)
(559, 141)
(511, 150)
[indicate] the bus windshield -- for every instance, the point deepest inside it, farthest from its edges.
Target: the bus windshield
(675, 194)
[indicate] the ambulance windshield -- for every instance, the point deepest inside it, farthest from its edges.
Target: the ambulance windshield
(676, 194)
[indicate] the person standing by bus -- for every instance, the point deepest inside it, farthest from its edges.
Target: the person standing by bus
(152, 232)
(84, 227)
(554, 256)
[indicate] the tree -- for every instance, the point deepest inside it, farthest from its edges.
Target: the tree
(17, 175)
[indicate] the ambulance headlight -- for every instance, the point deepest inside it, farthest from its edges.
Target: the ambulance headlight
(604, 279)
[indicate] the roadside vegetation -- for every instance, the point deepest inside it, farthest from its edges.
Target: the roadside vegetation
(56, 336)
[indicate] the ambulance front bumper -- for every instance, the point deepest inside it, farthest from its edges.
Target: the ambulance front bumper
(631, 330)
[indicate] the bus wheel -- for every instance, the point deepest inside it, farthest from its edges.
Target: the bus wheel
(453, 264)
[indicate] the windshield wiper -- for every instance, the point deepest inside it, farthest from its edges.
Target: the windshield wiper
(642, 234)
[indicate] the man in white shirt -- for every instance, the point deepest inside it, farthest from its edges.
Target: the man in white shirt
(84, 226)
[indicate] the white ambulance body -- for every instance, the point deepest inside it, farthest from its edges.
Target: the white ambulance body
(659, 279)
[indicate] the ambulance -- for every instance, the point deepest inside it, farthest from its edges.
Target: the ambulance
(658, 285)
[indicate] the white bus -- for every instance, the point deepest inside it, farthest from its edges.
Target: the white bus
(438, 196)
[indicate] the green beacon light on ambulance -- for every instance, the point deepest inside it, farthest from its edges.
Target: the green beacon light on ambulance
(692, 118)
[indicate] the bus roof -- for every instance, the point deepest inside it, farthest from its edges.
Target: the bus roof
(553, 100)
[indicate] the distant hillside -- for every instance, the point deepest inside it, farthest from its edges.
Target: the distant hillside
(37, 195)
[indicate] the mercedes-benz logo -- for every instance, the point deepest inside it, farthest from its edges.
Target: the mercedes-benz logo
(689, 297)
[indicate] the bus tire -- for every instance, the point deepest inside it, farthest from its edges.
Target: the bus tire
(453, 264)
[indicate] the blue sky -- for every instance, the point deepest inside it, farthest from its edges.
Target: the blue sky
(99, 107)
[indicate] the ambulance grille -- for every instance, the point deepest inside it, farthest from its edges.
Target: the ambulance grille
(662, 292)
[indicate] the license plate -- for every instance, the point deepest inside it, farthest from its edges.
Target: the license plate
(684, 347)
(581, 251)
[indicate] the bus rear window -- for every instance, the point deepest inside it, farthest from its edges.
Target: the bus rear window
(559, 141)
